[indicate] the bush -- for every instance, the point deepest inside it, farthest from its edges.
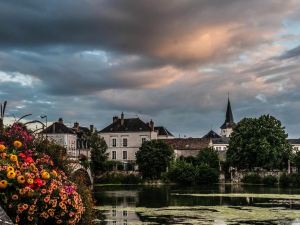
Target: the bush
(205, 175)
(182, 173)
(119, 178)
(285, 180)
(270, 180)
(290, 180)
(252, 178)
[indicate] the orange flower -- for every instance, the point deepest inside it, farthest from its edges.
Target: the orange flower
(14, 197)
(3, 184)
(21, 179)
(11, 175)
(25, 206)
(18, 144)
(3, 155)
(13, 158)
(2, 148)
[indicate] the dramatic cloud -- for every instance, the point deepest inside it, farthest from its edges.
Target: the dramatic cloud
(174, 62)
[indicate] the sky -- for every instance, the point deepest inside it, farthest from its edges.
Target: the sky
(170, 61)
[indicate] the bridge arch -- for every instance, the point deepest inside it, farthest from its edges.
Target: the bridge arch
(81, 174)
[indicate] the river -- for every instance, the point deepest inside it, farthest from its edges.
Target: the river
(216, 205)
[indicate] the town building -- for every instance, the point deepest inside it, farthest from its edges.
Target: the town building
(124, 137)
(62, 135)
(186, 147)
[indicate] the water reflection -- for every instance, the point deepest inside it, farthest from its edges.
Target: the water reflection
(156, 205)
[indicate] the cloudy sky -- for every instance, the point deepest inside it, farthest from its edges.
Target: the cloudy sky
(172, 61)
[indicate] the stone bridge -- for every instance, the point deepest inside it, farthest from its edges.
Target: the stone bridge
(77, 169)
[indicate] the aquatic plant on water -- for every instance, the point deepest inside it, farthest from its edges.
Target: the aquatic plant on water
(32, 190)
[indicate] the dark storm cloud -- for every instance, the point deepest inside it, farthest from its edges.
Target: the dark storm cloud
(295, 52)
(167, 60)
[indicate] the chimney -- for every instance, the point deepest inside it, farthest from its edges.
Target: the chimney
(61, 121)
(115, 119)
(151, 125)
(76, 126)
(92, 128)
(122, 119)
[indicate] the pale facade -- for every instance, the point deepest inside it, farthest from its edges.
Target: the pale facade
(68, 141)
(60, 134)
(123, 146)
(124, 137)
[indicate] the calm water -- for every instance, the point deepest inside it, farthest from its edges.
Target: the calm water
(129, 205)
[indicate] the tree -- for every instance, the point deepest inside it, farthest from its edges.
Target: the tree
(259, 142)
(153, 158)
(208, 157)
(98, 153)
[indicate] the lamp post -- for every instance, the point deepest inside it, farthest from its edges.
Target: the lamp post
(44, 116)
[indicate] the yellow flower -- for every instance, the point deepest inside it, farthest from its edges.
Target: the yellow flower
(11, 175)
(30, 181)
(3, 184)
(2, 148)
(13, 158)
(17, 144)
(10, 169)
(45, 175)
(54, 173)
(21, 179)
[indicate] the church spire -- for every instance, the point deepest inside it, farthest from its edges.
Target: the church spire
(229, 121)
(229, 115)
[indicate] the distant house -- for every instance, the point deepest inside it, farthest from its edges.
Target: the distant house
(295, 144)
(124, 137)
(62, 135)
(163, 133)
(185, 147)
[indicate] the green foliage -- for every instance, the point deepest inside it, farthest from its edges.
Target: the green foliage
(259, 142)
(153, 158)
(296, 159)
(206, 175)
(270, 180)
(119, 178)
(182, 172)
(252, 178)
(185, 173)
(290, 180)
(57, 153)
(98, 153)
(208, 157)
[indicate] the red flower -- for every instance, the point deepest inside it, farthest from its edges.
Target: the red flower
(28, 160)
(22, 155)
(38, 182)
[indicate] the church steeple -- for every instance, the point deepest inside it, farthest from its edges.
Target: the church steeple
(227, 126)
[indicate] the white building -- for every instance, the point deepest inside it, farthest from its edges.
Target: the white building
(59, 133)
(124, 137)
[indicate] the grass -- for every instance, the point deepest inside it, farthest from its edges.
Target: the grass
(244, 195)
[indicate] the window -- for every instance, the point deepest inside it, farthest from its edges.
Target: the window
(125, 142)
(114, 155)
(124, 154)
(144, 140)
(125, 213)
(114, 142)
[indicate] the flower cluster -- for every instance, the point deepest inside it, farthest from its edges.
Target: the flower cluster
(32, 190)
